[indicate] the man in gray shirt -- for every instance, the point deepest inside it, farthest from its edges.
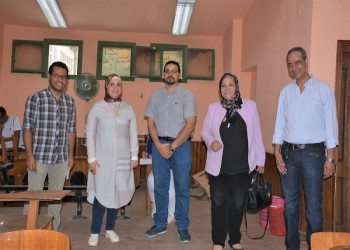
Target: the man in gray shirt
(171, 113)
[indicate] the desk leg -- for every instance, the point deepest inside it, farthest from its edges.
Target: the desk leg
(5, 178)
(148, 198)
(32, 214)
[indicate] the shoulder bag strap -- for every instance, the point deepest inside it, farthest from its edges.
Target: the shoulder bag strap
(246, 226)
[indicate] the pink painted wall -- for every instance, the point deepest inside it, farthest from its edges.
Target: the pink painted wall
(254, 48)
(330, 23)
(16, 87)
(1, 45)
(233, 56)
(270, 29)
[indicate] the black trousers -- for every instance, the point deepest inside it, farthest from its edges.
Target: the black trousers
(228, 193)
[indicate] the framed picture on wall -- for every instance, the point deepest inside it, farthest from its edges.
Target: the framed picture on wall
(115, 58)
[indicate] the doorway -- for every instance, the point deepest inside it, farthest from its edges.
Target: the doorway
(341, 219)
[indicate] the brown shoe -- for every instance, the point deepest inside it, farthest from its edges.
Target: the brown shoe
(237, 246)
(217, 247)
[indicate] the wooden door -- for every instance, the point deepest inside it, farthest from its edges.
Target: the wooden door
(341, 220)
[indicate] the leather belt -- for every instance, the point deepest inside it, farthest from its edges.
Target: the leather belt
(304, 146)
(168, 138)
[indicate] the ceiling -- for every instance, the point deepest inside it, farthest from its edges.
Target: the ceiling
(210, 17)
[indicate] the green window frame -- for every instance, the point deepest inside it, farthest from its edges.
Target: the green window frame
(147, 62)
(27, 56)
(171, 52)
(200, 64)
(62, 42)
(115, 57)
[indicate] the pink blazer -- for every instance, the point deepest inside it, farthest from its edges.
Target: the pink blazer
(211, 132)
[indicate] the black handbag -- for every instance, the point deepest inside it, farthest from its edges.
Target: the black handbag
(259, 196)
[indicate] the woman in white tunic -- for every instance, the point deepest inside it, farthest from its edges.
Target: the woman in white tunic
(112, 145)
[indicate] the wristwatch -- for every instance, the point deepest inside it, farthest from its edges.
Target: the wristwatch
(171, 148)
(331, 160)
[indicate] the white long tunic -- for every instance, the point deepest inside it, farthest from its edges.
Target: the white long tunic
(111, 140)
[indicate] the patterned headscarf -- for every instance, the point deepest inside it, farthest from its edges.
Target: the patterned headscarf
(233, 105)
(107, 97)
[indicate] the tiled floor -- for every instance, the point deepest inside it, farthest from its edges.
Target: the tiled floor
(131, 231)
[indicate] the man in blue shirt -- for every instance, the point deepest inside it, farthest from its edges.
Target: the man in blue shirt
(49, 135)
(306, 127)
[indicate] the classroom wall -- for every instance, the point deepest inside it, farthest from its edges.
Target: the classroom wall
(233, 57)
(16, 87)
(330, 23)
(1, 45)
(253, 48)
(270, 29)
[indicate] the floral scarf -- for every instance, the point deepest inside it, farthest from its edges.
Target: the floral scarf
(107, 97)
(233, 105)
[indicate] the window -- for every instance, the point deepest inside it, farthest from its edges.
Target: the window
(68, 51)
(171, 52)
(201, 64)
(147, 62)
(123, 58)
(27, 56)
(115, 58)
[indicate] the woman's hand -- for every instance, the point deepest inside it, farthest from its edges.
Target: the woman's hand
(260, 169)
(92, 167)
(133, 164)
(216, 146)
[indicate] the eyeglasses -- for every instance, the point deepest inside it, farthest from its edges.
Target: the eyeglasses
(57, 76)
(168, 71)
(115, 84)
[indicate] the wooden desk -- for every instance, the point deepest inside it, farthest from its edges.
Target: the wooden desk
(327, 240)
(34, 197)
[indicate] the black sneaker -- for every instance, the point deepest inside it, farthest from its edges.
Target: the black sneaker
(184, 236)
(153, 231)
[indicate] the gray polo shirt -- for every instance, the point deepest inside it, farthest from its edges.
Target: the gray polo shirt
(170, 110)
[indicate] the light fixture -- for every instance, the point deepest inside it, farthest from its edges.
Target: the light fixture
(52, 13)
(183, 13)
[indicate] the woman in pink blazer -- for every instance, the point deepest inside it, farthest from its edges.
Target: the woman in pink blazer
(232, 134)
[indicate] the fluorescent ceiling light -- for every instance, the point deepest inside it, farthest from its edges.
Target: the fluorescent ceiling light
(52, 13)
(183, 14)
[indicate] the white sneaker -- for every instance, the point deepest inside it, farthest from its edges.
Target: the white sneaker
(93, 240)
(153, 208)
(171, 218)
(112, 236)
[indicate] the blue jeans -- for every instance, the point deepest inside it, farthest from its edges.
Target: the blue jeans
(180, 162)
(304, 167)
(98, 211)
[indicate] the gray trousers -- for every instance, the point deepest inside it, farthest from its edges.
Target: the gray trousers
(36, 180)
